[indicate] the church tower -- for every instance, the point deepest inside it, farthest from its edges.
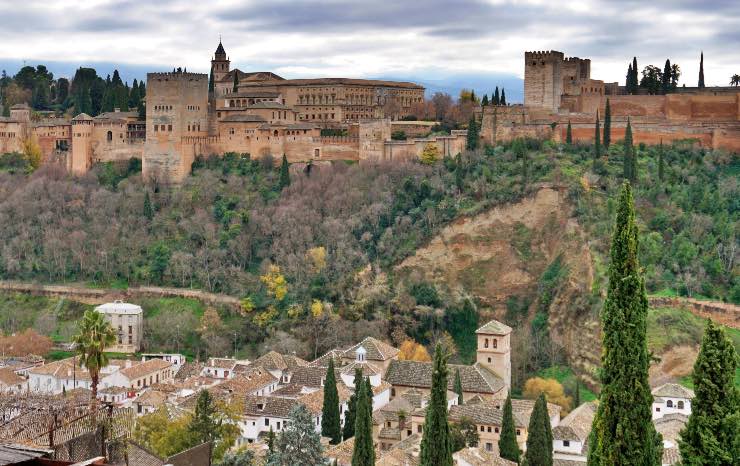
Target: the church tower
(494, 349)
(220, 64)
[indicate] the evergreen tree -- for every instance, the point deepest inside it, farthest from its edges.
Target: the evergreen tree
(712, 434)
(701, 71)
(284, 173)
(364, 452)
(635, 79)
(496, 97)
(607, 125)
(665, 78)
(484, 101)
(628, 79)
(142, 111)
(83, 103)
(330, 422)
(629, 153)
(539, 436)
(116, 81)
(270, 441)
(148, 210)
(299, 443)
(142, 89)
(577, 394)
(133, 99)
(436, 445)
(507, 446)
(204, 424)
(236, 82)
(351, 414)
(623, 432)
(569, 134)
(597, 138)
(661, 162)
(473, 136)
(211, 84)
(503, 96)
(458, 387)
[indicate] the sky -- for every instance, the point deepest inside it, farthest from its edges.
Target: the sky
(444, 45)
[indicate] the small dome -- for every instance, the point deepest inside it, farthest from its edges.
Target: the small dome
(82, 117)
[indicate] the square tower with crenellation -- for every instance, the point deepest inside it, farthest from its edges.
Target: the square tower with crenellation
(543, 81)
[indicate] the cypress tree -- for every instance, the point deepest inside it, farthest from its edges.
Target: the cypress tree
(484, 101)
(503, 96)
(629, 153)
(623, 432)
(473, 136)
(364, 453)
(351, 414)
(211, 84)
(661, 162)
(436, 444)
(569, 134)
(635, 79)
(628, 79)
(712, 434)
(284, 173)
(270, 441)
(142, 89)
(701, 71)
(607, 125)
(458, 387)
(665, 80)
(507, 446)
(577, 394)
(330, 422)
(148, 210)
(236, 81)
(597, 138)
(539, 436)
(496, 97)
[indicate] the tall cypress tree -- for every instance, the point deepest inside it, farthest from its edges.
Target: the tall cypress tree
(148, 210)
(597, 138)
(661, 162)
(484, 101)
(436, 445)
(473, 135)
(629, 153)
(507, 445)
(701, 70)
(539, 436)
(607, 125)
(330, 422)
(496, 97)
(665, 79)
(628, 79)
(503, 96)
(635, 78)
(211, 84)
(712, 435)
(364, 453)
(623, 432)
(569, 134)
(458, 387)
(349, 417)
(284, 173)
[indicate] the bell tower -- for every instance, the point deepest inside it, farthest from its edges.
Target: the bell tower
(494, 349)
(220, 63)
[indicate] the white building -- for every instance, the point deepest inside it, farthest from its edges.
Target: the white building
(128, 322)
(10, 382)
(570, 436)
(671, 398)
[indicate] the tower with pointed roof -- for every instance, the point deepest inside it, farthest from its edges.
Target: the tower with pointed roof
(220, 64)
(494, 349)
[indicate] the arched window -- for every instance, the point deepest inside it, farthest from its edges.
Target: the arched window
(495, 343)
(669, 403)
(485, 345)
(275, 133)
(110, 136)
(679, 405)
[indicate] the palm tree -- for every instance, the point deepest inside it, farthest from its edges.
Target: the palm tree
(95, 334)
(735, 80)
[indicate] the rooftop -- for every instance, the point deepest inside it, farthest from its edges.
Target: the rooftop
(494, 327)
(118, 307)
(376, 350)
(476, 378)
(673, 390)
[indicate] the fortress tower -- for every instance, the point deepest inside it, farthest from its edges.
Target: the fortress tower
(81, 158)
(176, 115)
(220, 63)
(494, 349)
(543, 80)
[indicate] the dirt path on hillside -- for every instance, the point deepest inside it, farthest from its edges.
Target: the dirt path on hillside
(722, 313)
(102, 295)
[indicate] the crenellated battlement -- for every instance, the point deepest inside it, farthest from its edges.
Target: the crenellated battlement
(551, 55)
(576, 60)
(177, 76)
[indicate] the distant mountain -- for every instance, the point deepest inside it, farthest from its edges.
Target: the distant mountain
(482, 83)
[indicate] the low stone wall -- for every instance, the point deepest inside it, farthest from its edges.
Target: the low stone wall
(724, 313)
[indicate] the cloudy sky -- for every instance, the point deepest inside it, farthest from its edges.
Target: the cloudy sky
(431, 41)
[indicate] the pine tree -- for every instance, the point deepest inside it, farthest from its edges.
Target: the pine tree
(473, 136)
(569, 134)
(148, 210)
(496, 97)
(661, 162)
(665, 79)
(351, 414)
(607, 125)
(284, 173)
(330, 421)
(436, 445)
(484, 101)
(712, 434)
(539, 436)
(507, 445)
(701, 71)
(204, 425)
(298, 443)
(458, 387)
(597, 138)
(364, 452)
(503, 96)
(623, 432)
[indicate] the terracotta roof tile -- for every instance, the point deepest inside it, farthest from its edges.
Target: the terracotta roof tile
(376, 350)
(476, 378)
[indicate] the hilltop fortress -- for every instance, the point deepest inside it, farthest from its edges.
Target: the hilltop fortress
(261, 113)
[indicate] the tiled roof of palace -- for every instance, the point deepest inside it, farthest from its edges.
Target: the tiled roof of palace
(476, 378)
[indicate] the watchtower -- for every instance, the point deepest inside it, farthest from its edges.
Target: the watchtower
(220, 63)
(81, 158)
(543, 82)
(494, 349)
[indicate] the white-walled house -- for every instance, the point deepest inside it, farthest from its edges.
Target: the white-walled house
(671, 398)
(262, 413)
(176, 359)
(10, 382)
(571, 434)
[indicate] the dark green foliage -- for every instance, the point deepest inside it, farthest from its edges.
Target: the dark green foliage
(665, 82)
(661, 163)
(399, 135)
(330, 421)
(299, 443)
(569, 134)
(712, 434)
(236, 81)
(270, 441)
(623, 432)
(539, 436)
(503, 96)
(364, 452)
(484, 101)
(458, 387)
(496, 97)
(597, 138)
(463, 434)
(461, 321)
(629, 161)
(243, 457)
(607, 125)
(204, 425)
(507, 444)
(211, 83)
(701, 71)
(473, 134)
(148, 209)
(284, 173)
(351, 414)
(436, 447)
